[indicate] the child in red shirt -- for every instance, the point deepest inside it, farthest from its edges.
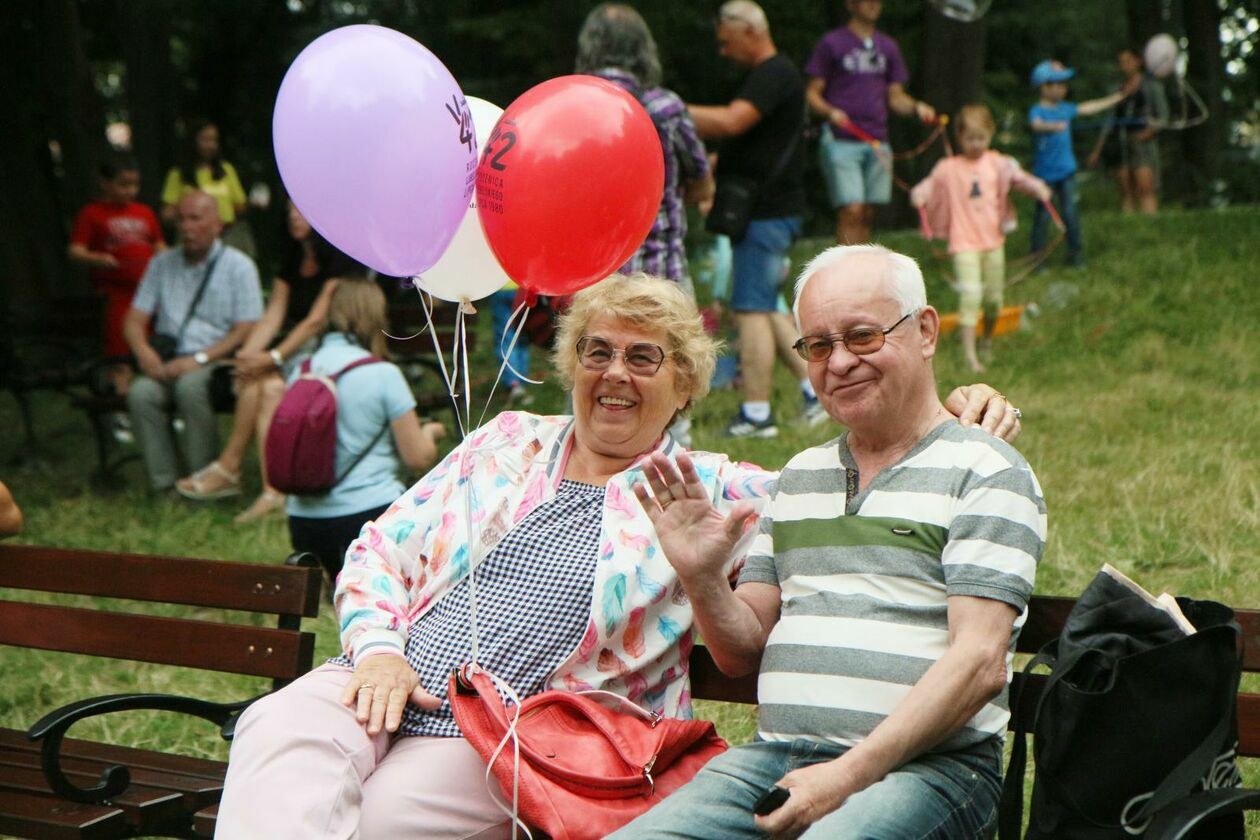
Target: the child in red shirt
(966, 200)
(115, 238)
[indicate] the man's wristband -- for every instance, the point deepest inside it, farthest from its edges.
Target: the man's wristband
(276, 357)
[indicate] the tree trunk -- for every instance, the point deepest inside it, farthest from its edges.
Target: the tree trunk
(74, 114)
(1146, 19)
(952, 75)
(152, 93)
(1202, 145)
(32, 255)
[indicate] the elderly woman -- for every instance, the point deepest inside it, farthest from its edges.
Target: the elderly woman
(572, 590)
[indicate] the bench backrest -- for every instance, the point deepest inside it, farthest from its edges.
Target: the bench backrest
(283, 652)
(1045, 621)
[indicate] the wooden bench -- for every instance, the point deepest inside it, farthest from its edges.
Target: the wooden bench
(56, 787)
(1046, 616)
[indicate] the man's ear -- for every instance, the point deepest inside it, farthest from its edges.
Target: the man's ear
(929, 330)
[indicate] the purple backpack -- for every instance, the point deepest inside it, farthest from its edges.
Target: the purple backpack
(301, 447)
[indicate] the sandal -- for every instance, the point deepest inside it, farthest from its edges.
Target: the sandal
(210, 482)
(267, 503)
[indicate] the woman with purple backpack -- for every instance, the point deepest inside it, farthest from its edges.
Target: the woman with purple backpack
(377, 428)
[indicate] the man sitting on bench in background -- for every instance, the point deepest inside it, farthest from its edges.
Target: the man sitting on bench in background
(881, 596)
(206, 328)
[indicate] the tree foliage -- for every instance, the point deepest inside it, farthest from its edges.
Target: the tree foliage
(71, 64)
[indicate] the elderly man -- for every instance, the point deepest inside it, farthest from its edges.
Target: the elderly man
(760, 130)
(882, 593)
(856, 75)
(206, 296)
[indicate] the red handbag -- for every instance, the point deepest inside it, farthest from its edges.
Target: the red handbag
(585, 769)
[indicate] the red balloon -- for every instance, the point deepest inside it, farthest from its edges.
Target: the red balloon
(569, 183)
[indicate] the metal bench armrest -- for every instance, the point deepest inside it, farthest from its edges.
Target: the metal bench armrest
(51, 729)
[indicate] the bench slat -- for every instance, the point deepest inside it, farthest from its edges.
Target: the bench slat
(173, 580)
(231, 648)
(28, 815)
(204, 821)
(195, 791)
(144, 806)
(12, 741)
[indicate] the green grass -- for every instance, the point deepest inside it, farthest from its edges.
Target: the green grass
(1140, 415)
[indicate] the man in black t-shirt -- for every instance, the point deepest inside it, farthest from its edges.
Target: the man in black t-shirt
(760, 134)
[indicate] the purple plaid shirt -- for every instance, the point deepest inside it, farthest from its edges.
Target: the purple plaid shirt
(663, 253)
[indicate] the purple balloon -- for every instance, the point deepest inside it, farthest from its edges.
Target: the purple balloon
(376, 147)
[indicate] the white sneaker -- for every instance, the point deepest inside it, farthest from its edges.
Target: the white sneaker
(120, 428)
(744, 426)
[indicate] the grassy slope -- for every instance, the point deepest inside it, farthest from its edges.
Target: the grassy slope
(1141, 423)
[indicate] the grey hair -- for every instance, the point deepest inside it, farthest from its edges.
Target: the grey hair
(904, 279)
(747, 12)
(615, 35)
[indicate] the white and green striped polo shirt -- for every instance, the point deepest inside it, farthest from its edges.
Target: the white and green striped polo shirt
(865, 577)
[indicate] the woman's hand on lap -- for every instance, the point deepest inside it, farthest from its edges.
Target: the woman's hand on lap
(379, 689)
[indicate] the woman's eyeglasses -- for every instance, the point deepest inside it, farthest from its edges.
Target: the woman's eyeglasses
(641, 358)
(860, 341)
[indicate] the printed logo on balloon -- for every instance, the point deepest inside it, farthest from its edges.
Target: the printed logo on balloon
(363, 141)
(569, 183)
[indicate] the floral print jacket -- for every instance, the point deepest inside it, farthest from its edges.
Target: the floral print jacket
(639, 635)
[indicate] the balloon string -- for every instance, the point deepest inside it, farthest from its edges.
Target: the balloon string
(437, 350)
(518, 317)
(493, 786)
(415, 281)
(461, 354)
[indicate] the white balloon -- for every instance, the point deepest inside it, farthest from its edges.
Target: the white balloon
(468, 269)
(1160, 55)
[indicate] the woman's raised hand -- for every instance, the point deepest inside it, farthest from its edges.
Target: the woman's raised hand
(379, 689)
(697, 538)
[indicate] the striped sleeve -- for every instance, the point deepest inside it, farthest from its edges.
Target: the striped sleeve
(996, 537)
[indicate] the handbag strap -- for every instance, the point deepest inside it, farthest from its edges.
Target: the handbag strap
(1011, 805)
(201, 290)
(786, 155)
(367, 360)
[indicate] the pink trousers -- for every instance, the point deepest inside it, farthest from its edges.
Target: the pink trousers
(301, 766)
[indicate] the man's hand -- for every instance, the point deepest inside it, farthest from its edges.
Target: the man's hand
(151, 364)
(815, 791)
(178, 366)
(696, 537)
(982, 403)
(103, 260)
(379, 689)
(924, 111)
(837, 117)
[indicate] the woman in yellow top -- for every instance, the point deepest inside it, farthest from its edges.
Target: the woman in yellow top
(204, 168)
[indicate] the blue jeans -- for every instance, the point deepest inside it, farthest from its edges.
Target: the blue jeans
(757, 263)
(947, 796)
(500, 311)
(1066, 199)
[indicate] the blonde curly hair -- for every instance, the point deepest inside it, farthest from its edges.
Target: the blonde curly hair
(642, 301)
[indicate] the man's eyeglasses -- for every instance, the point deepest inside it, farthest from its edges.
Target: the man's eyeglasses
(860, 341)
(641, 358)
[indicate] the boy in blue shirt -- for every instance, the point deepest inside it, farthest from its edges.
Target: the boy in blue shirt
(1053, 161)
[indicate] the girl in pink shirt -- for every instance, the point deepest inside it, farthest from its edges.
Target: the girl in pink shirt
(967, 201)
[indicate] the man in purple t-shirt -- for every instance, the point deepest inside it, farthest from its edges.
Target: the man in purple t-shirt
(856, 74)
